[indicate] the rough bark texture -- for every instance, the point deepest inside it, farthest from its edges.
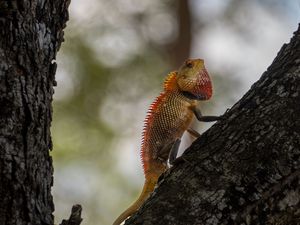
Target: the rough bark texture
(245, 169)
(31, 32)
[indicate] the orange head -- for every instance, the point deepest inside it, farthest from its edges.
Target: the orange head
(193, 80)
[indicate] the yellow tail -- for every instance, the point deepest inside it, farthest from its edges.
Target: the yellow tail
(147, 190)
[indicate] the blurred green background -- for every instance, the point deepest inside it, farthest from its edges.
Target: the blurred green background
(112, 64)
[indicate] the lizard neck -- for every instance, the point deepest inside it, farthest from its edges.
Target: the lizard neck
(170, 85)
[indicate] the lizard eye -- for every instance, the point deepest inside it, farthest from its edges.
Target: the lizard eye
(189, 64)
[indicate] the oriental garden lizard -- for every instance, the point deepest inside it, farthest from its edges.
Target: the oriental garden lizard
(169, 116)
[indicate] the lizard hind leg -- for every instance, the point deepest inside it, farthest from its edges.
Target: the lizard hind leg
(174, 151)
(193, 132)
(175, 147)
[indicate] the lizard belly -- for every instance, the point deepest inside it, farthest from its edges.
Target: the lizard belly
(169, 116)
(172, 119)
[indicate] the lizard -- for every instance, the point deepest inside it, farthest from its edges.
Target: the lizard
(168, 117)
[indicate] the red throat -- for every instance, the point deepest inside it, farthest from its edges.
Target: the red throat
(203, 88)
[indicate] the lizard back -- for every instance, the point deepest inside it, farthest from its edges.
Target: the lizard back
(168, 117)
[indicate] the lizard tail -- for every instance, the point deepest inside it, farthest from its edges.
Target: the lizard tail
(147, 190)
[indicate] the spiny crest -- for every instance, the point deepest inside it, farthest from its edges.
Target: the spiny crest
(147, 123)
(169, 84)
(170, 81)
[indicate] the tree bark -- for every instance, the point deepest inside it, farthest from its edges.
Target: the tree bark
(244, 169)
(31, 33)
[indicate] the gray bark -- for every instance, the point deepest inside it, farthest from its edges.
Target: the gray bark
(244, 169)
(31, 33)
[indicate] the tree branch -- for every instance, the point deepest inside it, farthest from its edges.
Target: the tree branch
(246, 168)
(75, 217)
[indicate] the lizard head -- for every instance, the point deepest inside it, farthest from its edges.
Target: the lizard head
(193, 80)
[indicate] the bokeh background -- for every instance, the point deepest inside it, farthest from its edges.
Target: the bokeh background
(112, 65)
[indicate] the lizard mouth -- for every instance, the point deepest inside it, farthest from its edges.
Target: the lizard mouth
(199, 97)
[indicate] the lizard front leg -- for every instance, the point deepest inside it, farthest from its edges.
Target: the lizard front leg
(201, 118)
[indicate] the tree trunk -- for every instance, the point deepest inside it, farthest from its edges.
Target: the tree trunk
(31, 33)
(180, 49)
(246, 168)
